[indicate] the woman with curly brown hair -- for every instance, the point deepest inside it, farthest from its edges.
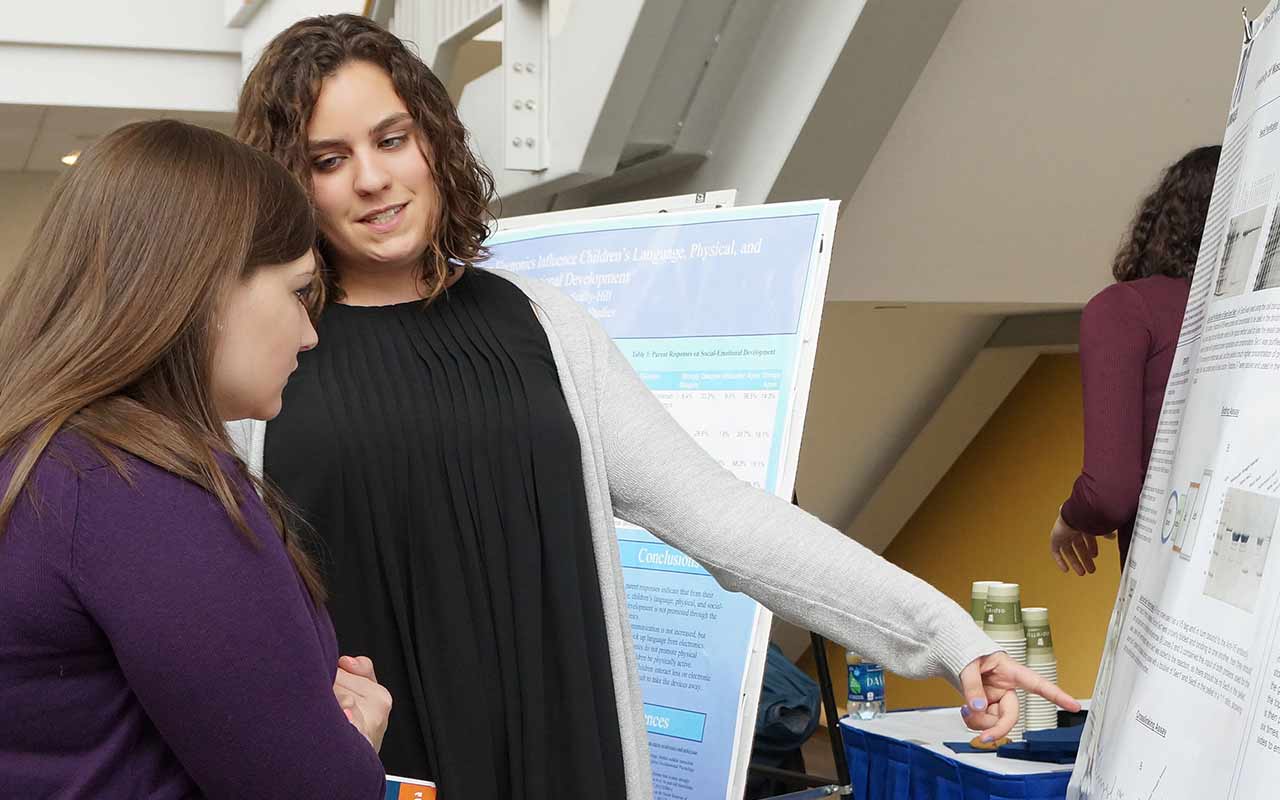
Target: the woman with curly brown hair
(464, 438)
(1128, 334)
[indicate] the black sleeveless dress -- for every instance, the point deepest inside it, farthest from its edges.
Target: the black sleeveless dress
(432, 451)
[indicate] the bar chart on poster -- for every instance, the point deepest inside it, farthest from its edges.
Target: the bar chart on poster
(718, 312)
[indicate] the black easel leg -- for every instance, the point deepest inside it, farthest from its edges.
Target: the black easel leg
(829, 704)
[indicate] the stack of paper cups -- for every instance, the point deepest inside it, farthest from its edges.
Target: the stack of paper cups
(1003, 623)
(978, 600)
(1041, 714)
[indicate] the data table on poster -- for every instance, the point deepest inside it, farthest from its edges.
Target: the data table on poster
(731, 417)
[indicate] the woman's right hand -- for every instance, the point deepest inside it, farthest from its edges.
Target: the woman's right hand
(365, 701)
(991, 702)
(1073, 550)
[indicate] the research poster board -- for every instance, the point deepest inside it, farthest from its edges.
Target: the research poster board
(718, 312)
(1187, 703)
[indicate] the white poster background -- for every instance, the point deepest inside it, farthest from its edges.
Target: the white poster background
(1187, 702)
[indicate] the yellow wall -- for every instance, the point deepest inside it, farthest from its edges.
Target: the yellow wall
(989, 519)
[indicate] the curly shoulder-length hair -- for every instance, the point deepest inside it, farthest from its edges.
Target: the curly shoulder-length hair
(1164, 238)
(280, 95)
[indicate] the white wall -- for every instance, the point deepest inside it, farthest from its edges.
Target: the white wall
(276, 15)
(1007, 177)
(36, 75)
(22, 199)
(870, 396)
(140, 54)
(188, 25)
(1018, 160)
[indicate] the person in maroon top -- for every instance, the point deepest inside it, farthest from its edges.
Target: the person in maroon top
(1128, 334)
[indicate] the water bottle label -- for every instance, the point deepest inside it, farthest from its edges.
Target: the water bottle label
(866, 683)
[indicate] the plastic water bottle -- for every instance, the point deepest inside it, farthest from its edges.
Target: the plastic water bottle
(866, 688)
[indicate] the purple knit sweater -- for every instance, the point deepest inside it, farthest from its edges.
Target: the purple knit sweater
(149, 650)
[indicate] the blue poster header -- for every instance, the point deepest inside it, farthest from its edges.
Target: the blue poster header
(713, 277)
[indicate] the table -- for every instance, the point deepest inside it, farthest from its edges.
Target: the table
(901, 756)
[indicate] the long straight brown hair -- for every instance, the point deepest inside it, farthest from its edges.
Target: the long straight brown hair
(107, 323)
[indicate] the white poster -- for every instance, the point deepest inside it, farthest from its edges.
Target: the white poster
(718, 312)
(1187, 703)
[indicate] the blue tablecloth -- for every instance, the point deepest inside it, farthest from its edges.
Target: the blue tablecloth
(901, 757)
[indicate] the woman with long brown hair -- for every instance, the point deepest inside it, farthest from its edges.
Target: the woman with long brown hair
(1128, 334)
(163, 633)
(463, 439)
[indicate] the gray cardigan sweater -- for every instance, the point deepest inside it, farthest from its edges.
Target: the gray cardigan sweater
(640, 465)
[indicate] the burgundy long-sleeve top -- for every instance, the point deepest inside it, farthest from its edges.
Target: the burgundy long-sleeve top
(149, 650)
(1128, 334)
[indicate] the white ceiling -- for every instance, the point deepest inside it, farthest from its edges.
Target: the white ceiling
(35, 138)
